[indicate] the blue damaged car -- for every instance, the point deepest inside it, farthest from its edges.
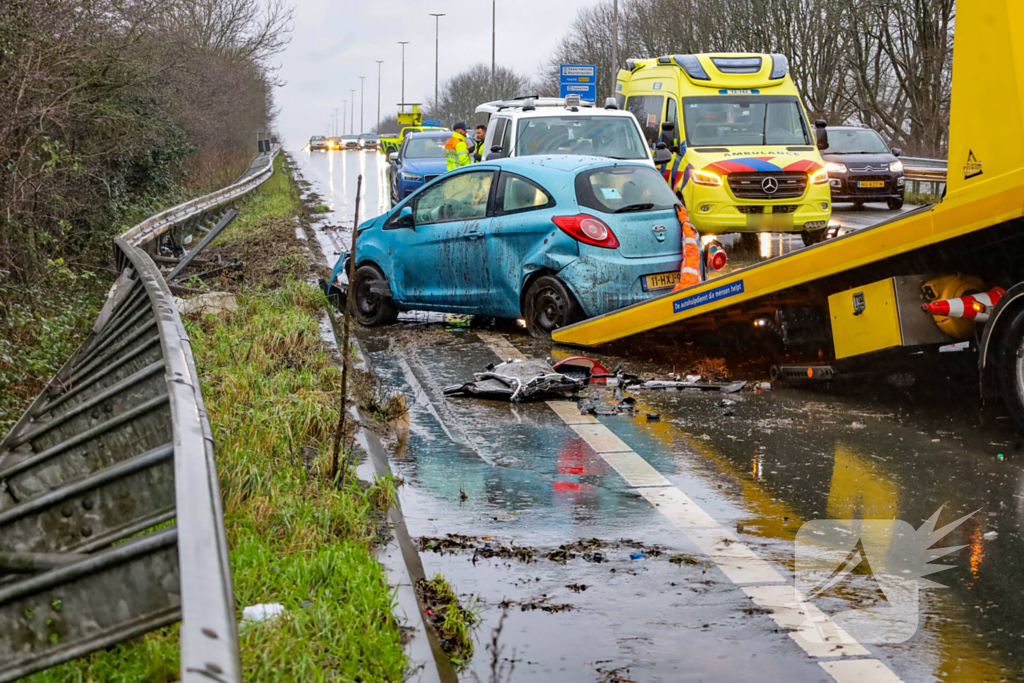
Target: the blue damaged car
(550, 239)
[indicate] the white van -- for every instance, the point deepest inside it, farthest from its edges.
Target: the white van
(533, 126)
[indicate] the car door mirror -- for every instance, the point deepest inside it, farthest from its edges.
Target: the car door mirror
(821, 134)
(404, 218)
(662, 155)
(668, 134)
(393, 157)
(896, 151)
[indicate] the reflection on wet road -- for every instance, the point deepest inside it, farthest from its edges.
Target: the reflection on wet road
(519, 474)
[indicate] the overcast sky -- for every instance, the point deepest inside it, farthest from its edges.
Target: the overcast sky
(334, 43)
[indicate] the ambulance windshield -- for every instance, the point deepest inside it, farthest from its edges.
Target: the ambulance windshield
(744, 120)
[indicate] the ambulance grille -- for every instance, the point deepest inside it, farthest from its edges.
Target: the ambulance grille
(751, 185)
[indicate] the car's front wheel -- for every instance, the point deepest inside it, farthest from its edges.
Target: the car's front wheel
(812, 236)
(895, 203)
(549, 305)
(369, 298)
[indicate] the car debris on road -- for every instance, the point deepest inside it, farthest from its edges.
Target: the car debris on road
(517, 381)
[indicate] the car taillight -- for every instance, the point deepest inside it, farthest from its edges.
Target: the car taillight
(587, 229)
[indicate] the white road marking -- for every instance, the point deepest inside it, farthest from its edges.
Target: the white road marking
(810, 628)
(860, 671)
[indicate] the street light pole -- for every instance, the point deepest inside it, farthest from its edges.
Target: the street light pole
(379, 62)
(494, 33)
(362, 93)
(437, 48)
(335, 120)
(352, 122)
(403, 43)
(615, 44)
(344, 115)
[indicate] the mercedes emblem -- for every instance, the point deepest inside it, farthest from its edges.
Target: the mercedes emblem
(769, 185)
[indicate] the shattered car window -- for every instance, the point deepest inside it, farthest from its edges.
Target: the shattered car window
(462, 197)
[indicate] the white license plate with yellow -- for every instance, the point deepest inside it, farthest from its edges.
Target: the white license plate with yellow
(660, 281)
(870, 183)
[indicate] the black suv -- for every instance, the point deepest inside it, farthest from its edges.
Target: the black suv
(862, 169)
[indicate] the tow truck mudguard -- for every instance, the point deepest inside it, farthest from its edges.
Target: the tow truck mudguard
(1013, 299)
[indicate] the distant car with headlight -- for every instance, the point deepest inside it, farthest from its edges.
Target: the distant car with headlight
(317, 142)
(550, 239)
(368, 141)
(861, 167)
(349, 141)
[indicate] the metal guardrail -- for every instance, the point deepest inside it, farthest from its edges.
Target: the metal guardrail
(918, 171)
(116, 448)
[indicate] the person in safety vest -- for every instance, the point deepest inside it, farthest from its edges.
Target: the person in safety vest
(480, 154)
(456, 151)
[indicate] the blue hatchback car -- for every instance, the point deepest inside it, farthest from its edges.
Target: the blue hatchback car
(417, 162)
(551, 239)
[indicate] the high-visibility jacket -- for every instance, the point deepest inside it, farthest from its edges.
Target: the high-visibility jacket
(456, 151)
(690, 268)
(672, 171)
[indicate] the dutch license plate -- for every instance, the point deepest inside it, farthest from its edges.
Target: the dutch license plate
(661, 280)
(769, 222)
(871, 183)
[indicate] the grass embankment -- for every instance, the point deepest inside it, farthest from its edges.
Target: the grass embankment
(271, 390)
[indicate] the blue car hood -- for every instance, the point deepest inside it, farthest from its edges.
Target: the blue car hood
(339, 265)
(424, 166)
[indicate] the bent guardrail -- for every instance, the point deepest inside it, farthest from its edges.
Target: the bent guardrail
(116, 448)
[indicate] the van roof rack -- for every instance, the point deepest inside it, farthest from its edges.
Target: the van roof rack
(520, 102)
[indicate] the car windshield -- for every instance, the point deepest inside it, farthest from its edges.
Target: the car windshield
(618, 189)
(349, 137)
(647, 110)
(843, 141)
(367, 136)
(604, 136)
(425, 148)
(744, 120)
(317, 137)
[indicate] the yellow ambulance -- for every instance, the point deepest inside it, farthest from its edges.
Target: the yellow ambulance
(749, 154)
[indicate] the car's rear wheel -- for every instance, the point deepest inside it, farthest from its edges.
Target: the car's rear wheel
(549, 305)
(895, 203)
(369, 298)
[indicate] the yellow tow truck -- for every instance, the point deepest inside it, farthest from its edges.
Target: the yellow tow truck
(856, 303)
(410, 120)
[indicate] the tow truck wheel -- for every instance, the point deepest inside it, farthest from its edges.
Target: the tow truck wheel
(1010, 367)
(367, 301)
(549, 305)
(812, 236)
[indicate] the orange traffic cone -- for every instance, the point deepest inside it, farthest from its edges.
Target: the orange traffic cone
(689, 269)
(976, 307)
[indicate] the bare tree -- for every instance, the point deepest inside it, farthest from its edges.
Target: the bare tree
(885, 63)
(462, 93)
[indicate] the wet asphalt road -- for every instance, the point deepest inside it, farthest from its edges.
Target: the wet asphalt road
(519, 475)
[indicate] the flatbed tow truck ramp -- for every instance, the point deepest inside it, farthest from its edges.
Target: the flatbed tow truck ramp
(856, 299)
